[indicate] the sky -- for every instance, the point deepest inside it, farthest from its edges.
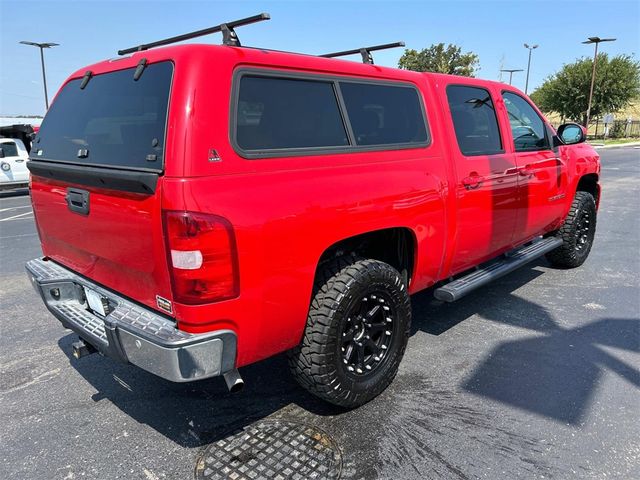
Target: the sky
(92, 30)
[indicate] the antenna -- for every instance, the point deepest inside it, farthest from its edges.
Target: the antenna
(365, 51)
(229, 36)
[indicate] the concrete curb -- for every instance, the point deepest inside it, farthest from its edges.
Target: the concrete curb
(600, 145)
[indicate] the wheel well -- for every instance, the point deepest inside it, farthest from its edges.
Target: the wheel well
(395, 246)
(589, 184)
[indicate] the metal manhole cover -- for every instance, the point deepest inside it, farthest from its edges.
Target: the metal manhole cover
(272, 449)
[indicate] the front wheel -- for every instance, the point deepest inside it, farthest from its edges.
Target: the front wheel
(577, 233)
(356, 333)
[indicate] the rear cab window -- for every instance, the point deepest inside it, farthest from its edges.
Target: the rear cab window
(115, 121)
(277, 114)
(384, 114)
(283, 113)
(474, 120)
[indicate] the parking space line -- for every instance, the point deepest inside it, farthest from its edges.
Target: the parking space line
(16, 217)
(19, 236)
(14, 208)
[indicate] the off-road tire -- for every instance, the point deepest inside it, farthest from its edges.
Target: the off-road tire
(318, 363)
(577, 236)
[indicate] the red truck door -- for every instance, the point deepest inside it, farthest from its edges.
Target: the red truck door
(486, 184)
(542, 174)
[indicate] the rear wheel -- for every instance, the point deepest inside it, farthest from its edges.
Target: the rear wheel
(356, 333)
(577, 233)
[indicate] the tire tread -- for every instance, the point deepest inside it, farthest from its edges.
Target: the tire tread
(565, 256)
(312, 362)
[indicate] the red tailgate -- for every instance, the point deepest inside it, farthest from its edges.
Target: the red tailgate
(119, 244)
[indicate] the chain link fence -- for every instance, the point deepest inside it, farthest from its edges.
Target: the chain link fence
(617, 129)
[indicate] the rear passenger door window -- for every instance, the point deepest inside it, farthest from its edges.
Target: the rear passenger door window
(528, 129)
(9, 148)
(474, 120)
(384, 114)
(282, 113)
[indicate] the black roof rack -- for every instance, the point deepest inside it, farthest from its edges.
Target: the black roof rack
(365, 51)
(229, 36)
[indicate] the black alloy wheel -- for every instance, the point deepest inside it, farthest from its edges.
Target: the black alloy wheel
(368, 334)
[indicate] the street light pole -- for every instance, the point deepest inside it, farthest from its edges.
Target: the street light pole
(44, 78)
(42, 46)
(531, 48)
(589, 41)
(510, 71)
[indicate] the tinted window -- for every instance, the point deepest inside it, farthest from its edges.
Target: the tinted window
(9, 148)
(276, 113)
(529, 132)
(117, 120)
(474, 120)
(383, 115)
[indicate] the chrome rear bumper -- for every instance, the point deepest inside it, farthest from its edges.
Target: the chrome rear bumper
(129, 332)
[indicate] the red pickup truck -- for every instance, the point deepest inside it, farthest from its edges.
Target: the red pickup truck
(203, 207)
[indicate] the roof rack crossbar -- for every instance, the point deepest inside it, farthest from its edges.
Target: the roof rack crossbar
(229, 35)
(365, 51)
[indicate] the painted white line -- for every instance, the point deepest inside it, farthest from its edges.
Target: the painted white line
(13, 208)
(15, 217)
(20, 236)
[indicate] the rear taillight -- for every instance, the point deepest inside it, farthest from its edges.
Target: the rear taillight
(202, 257)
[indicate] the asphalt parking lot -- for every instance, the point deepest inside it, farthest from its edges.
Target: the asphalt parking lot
(535, 376)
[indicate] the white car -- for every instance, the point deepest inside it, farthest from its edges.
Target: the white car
(13, 163)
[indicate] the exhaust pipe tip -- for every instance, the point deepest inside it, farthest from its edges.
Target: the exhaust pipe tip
(81, 349)
(233, 380)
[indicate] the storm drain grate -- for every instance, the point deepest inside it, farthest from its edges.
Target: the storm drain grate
(272, 449)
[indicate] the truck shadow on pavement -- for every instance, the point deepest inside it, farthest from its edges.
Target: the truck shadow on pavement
(198, 413)
(555, 371)
(556, 374)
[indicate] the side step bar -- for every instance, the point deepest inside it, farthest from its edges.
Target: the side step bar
(457, 289)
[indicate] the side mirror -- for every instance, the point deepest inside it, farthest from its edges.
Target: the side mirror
(1, 153)
(572, 133)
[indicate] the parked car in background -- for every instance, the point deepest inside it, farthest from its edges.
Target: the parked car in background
(13, 163)
(21, 131)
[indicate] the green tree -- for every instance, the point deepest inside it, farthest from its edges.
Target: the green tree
(440, 59)
(567, 91)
